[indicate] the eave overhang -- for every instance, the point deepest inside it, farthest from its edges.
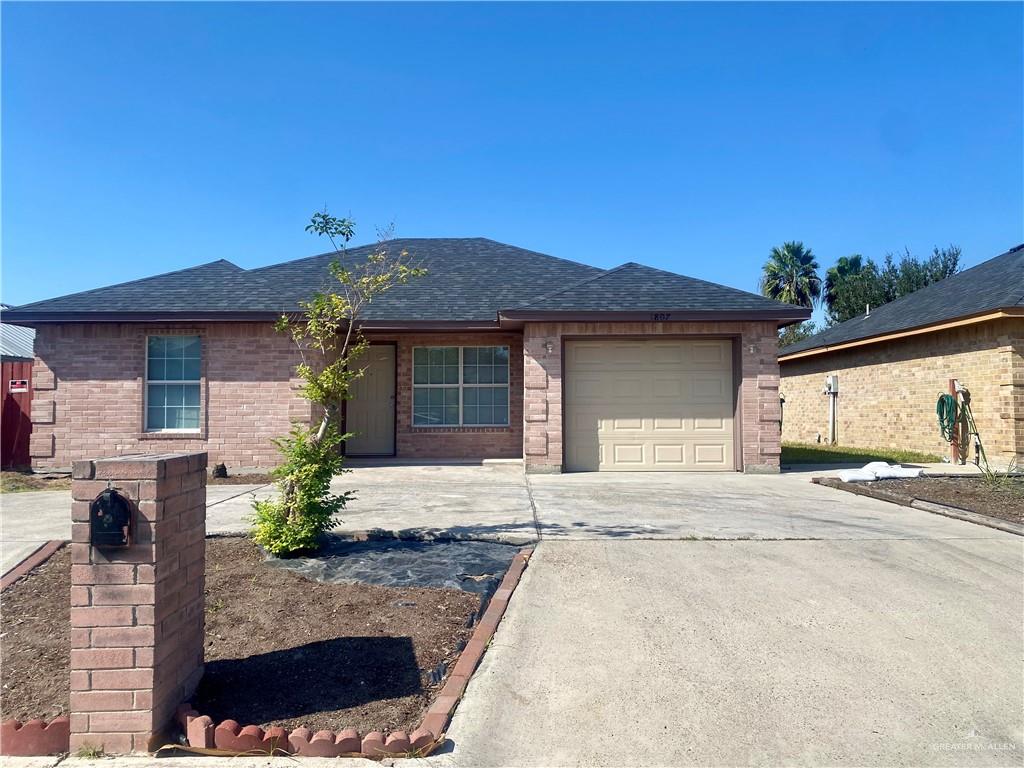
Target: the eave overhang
(781, 316)
(914, 331)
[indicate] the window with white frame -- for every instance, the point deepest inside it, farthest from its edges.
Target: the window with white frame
(172, 383)
(460, 386)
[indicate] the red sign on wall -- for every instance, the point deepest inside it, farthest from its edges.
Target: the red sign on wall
(18, 385)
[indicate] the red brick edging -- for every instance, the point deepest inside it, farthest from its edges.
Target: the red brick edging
(230, 736)
(36, 558)
(36, 737)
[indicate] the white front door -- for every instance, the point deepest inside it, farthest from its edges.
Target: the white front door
(370, 413)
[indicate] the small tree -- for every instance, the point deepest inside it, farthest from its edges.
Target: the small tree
(330, 343)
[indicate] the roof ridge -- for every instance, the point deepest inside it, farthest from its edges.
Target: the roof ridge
(702, 281)
(573, 286)
(536, 253)
(20, 307)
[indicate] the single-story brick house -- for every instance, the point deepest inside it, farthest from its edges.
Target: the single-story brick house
(893, 363)
(660, 371)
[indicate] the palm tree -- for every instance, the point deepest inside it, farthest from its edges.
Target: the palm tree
(846, 266)
(791, 275)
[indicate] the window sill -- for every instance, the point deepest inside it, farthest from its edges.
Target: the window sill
(185, 434)
(462, 428)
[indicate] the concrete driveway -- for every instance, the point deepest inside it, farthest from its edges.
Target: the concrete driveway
(705, 619)
(746, 620)
(495, 500)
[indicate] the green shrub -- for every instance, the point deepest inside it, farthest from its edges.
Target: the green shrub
(295, 520)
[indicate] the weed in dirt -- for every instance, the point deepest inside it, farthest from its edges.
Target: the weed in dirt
(999, 481)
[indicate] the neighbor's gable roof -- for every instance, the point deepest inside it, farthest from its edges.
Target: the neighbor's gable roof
(467, 281)
(992, 286)
(16, 341)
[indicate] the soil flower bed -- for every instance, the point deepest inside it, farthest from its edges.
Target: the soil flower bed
(975, 494)
(1004, 501)
(281, 650)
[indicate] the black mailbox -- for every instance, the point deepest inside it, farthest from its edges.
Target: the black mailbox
(110, 520)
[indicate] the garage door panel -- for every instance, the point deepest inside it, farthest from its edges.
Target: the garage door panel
(709, 388)
(625, 424)
(625, 387)
(668, 424)
(669, 353)
(710, 354)
(713, 455)
(669, 455)
(649, 405)
(668, 388)
(628, 454)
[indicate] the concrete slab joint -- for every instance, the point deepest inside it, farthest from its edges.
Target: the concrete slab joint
(137, 621)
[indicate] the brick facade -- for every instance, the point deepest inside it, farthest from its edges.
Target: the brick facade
(137, 612)
(88, 380)
(455, 442)
(757, 416)
(887, 391)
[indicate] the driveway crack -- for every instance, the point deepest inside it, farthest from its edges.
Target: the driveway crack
(533, 506)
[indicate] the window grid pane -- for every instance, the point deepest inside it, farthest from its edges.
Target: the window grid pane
(172, 389)
(437, 384)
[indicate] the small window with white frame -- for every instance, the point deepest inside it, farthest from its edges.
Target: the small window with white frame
(460, 386)
(172, 383)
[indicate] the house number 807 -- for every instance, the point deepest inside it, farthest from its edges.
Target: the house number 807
(659, 317)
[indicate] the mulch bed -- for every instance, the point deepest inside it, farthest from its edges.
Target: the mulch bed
(280, 649)
(974, 494)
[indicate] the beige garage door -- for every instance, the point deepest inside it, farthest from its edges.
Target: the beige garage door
(649, 405)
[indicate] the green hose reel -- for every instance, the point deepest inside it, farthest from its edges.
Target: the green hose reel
(946, 410)
(951, 414)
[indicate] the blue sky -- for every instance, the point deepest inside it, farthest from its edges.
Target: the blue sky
(141, 138)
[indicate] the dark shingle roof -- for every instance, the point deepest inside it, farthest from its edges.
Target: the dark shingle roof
(467, 280)
(634, 287)
(212, 286)
(994, 284)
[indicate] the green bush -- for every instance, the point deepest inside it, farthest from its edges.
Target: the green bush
(295, 521)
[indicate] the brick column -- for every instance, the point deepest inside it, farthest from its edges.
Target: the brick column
(542, 398)
(137, 612)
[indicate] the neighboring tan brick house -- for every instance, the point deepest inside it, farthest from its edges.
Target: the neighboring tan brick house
(893, 363)
(498, 352)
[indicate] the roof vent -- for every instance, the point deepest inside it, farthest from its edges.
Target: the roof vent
(867, 310)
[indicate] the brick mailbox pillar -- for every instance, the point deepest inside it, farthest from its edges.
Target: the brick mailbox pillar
(137, 611)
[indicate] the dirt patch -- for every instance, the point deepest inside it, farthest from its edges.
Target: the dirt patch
(16, 482)
(280, 649)
(1005, 501)
(253, 479)
(35, 642)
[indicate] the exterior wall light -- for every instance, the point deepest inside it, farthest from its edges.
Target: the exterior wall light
(549, 347)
